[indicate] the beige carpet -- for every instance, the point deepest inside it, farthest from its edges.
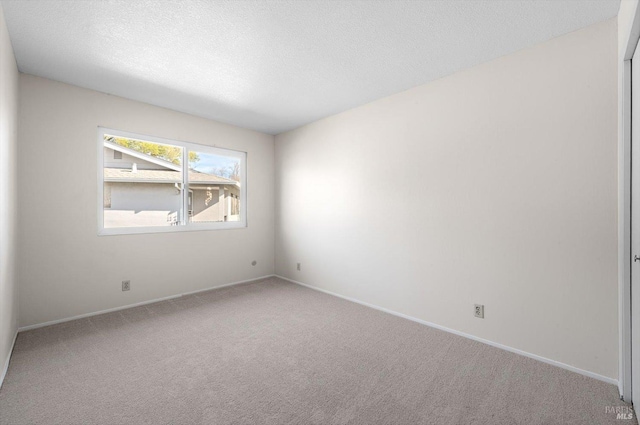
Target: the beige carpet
(276, 353)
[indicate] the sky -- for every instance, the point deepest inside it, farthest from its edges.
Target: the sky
(208, 162)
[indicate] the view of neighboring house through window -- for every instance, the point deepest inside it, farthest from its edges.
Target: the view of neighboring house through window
(150, 184)
(214, 188)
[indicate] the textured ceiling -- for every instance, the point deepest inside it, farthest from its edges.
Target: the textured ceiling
(275, 65)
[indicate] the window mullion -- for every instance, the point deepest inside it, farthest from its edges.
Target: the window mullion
(185, 186)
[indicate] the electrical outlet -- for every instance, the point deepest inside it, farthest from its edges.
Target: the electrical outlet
(478, 310)
(126, 285)
(298, 267)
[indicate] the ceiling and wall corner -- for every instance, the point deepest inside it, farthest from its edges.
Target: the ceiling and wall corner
(273, 66)
(499, 188)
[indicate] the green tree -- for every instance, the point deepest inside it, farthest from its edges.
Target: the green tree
(172, 154)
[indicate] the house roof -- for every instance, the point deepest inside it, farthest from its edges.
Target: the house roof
(125, 175)
(134, 153)
(198, 177)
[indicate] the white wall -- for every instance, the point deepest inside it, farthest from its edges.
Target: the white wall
(496, 185)
(8, 217)
(65, 269)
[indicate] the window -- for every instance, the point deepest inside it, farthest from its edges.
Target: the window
(148, 184)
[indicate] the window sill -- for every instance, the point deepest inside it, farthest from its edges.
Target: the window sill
(171, 229)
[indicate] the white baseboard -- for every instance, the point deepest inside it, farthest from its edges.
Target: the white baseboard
(5, 368)
(124, 307)
(455, 332)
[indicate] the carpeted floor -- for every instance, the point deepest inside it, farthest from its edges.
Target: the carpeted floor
(276, 353)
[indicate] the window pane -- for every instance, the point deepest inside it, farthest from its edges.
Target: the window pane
(214, 187)
(142, 183)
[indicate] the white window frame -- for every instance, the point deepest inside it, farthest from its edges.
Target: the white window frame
(185, 226)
